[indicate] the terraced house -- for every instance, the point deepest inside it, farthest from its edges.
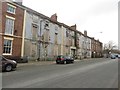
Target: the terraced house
(12, 28)
(27, 34)
(69, 40)
(42, 36)
(96, 49)
(0, 28)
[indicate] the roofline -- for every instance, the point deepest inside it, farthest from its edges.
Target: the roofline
(33, 11)
(46, 17)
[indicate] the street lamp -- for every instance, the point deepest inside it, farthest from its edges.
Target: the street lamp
(97, 34)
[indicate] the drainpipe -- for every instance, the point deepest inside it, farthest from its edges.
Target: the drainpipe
(23, 35)
(40, 40)
(62, 43)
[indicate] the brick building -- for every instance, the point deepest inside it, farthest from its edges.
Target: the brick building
(27, 33)
(96, 48)
(12, 29)
(0, 28)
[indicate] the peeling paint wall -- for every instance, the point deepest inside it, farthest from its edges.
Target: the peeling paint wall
(31, 36)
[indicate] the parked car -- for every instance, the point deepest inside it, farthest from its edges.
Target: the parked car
(118, 56)
(113, 57)
(64, 59)
(7, 64)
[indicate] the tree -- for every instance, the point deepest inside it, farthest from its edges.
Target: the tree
(109, 47)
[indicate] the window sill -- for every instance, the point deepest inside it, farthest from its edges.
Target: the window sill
(7, 54)
(8, 34)
(11, 12)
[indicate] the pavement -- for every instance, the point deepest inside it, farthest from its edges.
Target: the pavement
(49, 62)
(36, 63)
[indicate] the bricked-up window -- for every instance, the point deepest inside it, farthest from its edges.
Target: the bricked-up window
(7, 46)
(9, 28)
(11, 9)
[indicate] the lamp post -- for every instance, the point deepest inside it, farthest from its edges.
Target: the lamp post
(96, 34)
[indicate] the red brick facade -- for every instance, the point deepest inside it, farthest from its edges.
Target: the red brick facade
(18, 29)
(0, 28)
(96, 48)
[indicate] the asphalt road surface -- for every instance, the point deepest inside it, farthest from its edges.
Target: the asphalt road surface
(97, 73)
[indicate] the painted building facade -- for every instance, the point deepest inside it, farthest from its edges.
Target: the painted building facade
(28, 34)
(79, 45)
(86, 45)
(69, 42)
(42, 37)
(45, 38)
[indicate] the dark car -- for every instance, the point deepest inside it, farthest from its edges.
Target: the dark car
(117, 56)
(64, 59)
(7, 64)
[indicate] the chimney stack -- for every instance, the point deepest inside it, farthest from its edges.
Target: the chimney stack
(74, 27)
(85, 33)
(54, 17)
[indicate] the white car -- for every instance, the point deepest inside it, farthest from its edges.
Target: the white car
(118, 56)
(113, 56)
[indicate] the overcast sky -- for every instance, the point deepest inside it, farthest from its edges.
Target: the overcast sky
(95, 16)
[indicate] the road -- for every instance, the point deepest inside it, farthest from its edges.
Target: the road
(97, 73)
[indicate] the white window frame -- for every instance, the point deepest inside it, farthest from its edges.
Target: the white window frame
(9, 5)
(8, 17)
(11, 39)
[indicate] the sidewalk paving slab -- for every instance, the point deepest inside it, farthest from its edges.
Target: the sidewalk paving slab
(49, 62)
(36, 63)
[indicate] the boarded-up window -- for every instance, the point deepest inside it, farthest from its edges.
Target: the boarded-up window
(46, 36)
(33, 49)
(56, 38)
(34, 31)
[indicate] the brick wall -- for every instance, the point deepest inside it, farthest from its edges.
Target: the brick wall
(0, 27)
(18, 28)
